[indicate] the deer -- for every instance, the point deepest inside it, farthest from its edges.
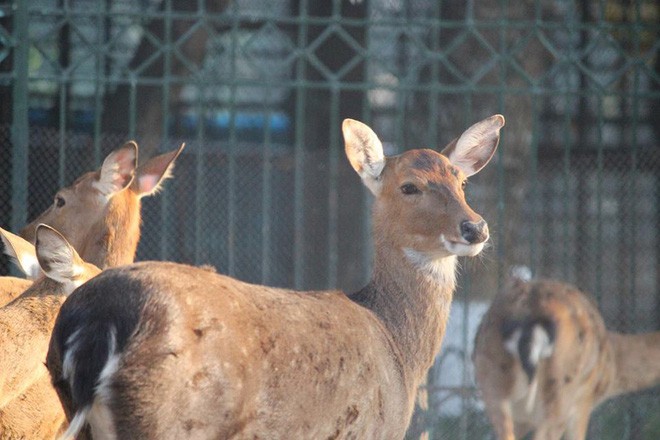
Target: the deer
(100, 212)
(544, 360)
(26, 323)
(100, 216)
(162, 350)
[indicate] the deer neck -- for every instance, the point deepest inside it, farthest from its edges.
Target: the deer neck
(637, 362)
(113, 240)
(411, 295)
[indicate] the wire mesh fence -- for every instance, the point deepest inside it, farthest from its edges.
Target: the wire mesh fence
(258, 90)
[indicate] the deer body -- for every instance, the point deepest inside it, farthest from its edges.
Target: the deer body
(544, 360)
(100, 211)
(187, 353)
(26, 322)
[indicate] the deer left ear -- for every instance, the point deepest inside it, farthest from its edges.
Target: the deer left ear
(476, 146)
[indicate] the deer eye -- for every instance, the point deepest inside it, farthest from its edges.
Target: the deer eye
(59, 201)
(464, 184)
(409, 188)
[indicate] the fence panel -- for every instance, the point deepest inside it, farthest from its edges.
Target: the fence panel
(258, 90)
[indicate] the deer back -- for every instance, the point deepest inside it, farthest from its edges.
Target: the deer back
(187, 353)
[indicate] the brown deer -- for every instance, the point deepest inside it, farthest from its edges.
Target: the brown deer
(159, 350)
(100, 211)
(544, 360)
(26, 323)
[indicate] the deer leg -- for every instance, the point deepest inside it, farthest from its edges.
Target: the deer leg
(502, 420)
(579, 422)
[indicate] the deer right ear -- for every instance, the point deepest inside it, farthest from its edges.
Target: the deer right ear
(365, 152)
(476, 146)
(151, 175)
(57, 258)
(118, 170)
(23, 254)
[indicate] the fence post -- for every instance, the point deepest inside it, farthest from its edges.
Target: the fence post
(19, 125)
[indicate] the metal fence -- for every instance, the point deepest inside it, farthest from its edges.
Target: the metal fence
(257, 90)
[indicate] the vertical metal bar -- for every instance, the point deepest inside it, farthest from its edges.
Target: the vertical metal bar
(132, 104)
(434, 108)
(65, 79)
(232, 171)
(266, 192)
(201, 202)
(635, 410)
(535, 190)
(62, 128)
(166, 224)
(501, 189)
(634, 163)
(299, 151)
(566, 172)
(103, 35)
(599, 201)
(20, 126)
(333, 190)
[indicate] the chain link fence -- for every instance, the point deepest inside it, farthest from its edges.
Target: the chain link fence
(258, 90)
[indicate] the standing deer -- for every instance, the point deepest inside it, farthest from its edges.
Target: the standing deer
(544, 360)
(25, 327)
(99, 213)
(159, 350)
(100, 216)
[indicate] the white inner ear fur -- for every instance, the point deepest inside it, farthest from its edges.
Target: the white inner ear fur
(476, 145)
(114, 172)
(365, 152)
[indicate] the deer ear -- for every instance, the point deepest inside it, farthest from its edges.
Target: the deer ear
(57, 258)
(365, 152)
(476, 146)
(23, 254)
(152, 174)
(118, 170)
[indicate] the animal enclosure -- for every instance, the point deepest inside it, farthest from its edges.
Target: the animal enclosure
(258, 90)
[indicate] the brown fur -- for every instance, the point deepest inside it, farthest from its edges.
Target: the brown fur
(213, 357)
(25, 327)
(587, 366)
(106, 234)
(11, 288)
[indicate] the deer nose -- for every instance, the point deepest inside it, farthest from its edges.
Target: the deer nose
(474, 232)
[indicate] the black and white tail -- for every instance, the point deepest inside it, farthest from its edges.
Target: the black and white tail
(96, 345)
(530, 340)
(90, 335)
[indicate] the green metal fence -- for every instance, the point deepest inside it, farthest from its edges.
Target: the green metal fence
(257, 90)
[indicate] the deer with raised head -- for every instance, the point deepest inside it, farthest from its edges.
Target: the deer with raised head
(99, 213)
(160, 350)
(544, 360)
(25, 326)
(100, 216)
